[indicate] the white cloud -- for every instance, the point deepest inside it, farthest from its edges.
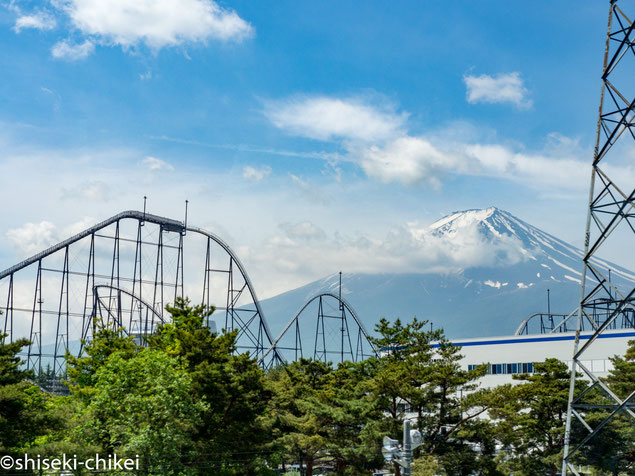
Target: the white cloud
(77, 227)
(256, 174)
(326, 118)
(72, 52)
(535, 170)
(156, 24)
(305, 250)
(32, 238)
(90, 191)
(303, 231)
(377, 141)
(36, 21)
(274, 229)
(153, 164)
(416, 160)
(493, 284)
(311, 192)
(409, 160)
(497, 89)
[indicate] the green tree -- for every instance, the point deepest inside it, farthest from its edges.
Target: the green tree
(419, 371)
(144, 405)
(10, 362)
(531, 420)
(187, 394)
(230, 385)
(71, 436)
(426, 466)
(622, 378)
(295, 417)
(67, 413)
(355, 425)
(25, 411)
(613, 449)
(324, 415)
(82, 371)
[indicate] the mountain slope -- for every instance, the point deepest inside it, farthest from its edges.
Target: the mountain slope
(508, 267)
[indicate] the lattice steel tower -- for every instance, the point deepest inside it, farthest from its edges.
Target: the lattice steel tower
(610, 224)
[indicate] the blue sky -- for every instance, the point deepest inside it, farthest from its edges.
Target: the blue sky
(296, 129)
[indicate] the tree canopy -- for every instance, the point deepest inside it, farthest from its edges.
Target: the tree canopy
(188, 403)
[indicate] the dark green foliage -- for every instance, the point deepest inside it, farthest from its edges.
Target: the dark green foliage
(323, 414)
(430, 381)
(622, 377)
(532, 417)
(613, 450)
(106, 342)
(23, 415)
(188, 404)
(355, 420)
(10, 372)
(231, 386)
(26, 413)
(144, 405)
(295, 419)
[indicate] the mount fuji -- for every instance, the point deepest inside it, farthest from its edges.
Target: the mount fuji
(486, 271)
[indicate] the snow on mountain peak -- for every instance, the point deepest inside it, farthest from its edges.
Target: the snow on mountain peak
(473, 272)
(464, 218)
(495, 223)
(496, 228)
(471, 238)
(504, 237)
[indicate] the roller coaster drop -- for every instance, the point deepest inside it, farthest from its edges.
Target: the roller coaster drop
(125, 270)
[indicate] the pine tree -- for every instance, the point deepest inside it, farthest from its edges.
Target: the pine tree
(531, 419)
(25, 414)
(419, 370)
(230, 385)
(296, 418)
(622, 378)
(613, 448)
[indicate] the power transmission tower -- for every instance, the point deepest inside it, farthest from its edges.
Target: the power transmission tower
(610, 221)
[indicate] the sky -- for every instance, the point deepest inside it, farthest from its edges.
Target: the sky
(310, 136)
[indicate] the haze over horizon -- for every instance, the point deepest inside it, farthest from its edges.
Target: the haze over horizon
(305, 135)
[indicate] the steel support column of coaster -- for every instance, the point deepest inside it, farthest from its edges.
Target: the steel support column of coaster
(124, 271)
(336, 335)
(610, 226)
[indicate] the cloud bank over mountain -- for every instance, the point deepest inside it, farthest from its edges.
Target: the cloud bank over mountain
(474, 273)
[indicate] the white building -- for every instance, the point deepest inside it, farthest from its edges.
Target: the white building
(516, 354)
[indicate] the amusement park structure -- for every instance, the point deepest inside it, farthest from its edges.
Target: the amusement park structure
(122, 273)
(552, 323)
(336, 320)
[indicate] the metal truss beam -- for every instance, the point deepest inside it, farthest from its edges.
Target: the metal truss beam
(125, 270)
(337, 335)
(546, 323)
(610, 212)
